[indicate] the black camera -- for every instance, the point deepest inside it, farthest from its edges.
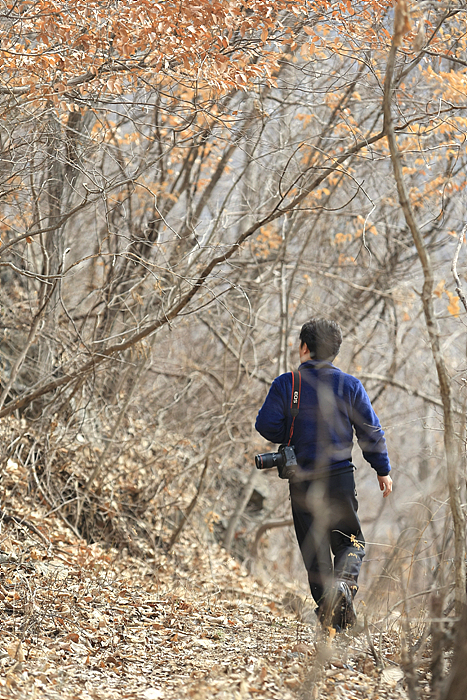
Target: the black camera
(285, 461)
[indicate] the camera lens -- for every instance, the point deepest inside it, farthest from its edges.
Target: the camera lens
(268, 460)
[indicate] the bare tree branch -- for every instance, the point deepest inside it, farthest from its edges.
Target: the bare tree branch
(454, 267)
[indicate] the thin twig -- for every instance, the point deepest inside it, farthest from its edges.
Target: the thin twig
(190, 508)
(412, 391)
(270, 525)
(374, 653)
(21, 521)
(454, 267)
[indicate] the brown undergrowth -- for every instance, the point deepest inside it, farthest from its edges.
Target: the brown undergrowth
(122, 617)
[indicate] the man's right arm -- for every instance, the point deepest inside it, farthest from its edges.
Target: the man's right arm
(271, 421)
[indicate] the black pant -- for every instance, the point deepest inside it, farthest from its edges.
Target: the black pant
(325, 518)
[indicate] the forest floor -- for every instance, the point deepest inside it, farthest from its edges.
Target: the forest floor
(83, 621)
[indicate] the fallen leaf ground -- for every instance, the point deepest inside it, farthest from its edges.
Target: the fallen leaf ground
(82, 621)
(78, 623)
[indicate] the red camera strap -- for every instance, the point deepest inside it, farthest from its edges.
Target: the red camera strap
(295, 400)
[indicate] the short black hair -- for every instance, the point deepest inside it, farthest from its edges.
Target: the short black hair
(323, 338)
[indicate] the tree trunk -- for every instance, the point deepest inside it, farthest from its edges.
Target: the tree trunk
(451, 448)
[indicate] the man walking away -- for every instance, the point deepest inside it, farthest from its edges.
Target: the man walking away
(332, 405)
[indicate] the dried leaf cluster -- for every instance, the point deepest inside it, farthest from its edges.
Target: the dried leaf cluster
(85, 619)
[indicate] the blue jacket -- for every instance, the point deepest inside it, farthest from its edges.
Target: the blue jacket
(332, 405)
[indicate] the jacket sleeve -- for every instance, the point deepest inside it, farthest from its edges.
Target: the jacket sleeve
(370, 435)
(271, 421)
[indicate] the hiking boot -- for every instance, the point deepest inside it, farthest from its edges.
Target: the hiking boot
(348, 612)
(337, 609)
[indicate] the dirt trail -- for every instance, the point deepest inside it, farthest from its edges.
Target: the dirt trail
(81, 621)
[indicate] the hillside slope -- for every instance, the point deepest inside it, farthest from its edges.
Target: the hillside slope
(86, 621)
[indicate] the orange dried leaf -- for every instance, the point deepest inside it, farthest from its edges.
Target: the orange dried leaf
(402, 21)
(453, 306)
